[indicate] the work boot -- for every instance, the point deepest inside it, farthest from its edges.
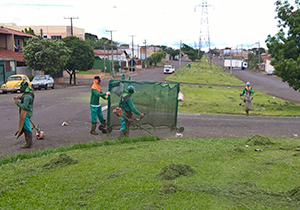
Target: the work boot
(93, 129)
(102, 127)
(28, 139)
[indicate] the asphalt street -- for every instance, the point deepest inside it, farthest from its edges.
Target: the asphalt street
(70, 103)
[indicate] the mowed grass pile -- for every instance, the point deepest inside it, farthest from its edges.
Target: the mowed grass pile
(202, 73)
(220, 100)
(179, 174)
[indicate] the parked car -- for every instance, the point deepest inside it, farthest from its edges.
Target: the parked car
(168, 69)
(42, 81)
(13, 83)
(270, 72)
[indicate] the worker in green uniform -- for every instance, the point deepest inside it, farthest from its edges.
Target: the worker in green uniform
(247, 93)
(25, 104)
(95, 106)
(128, 107)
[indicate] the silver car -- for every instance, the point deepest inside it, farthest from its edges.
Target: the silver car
(42, 81)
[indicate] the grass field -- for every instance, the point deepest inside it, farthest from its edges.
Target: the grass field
(202, 73)
(220, 100)
(179, 174)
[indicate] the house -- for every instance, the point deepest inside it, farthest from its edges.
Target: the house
(11, 58)
(266, 63)
(135, 49)
(50, 32)
(104, 58)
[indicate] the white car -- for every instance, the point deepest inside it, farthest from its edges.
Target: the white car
(169, 69)
(42, 81)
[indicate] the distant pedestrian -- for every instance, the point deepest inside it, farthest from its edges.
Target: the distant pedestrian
(247, 93)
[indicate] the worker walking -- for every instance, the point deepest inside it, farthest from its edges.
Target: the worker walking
(25, 104)
(247, 92)
(126, 104)
(95, 106)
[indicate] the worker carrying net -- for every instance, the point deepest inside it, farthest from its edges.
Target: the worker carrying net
(158, 100)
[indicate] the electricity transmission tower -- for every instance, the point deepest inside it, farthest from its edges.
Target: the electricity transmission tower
(204, 37)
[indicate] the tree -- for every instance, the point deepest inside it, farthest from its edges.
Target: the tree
(29, 31)
(82, 56)
(156, 57)
(284, 47)
(46, 55)
(171, 51)
(91, 39)
(192, 53)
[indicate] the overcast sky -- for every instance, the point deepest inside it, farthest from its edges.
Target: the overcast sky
(159, 22)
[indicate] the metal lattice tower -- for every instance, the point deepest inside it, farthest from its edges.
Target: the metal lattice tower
(204, 37)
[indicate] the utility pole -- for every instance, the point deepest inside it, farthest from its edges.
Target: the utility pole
(258, 56)
(132, 53)
(112, 52)
(71, 18)
(145, 42)
(180, 55)
(230, 62)
(104, 58)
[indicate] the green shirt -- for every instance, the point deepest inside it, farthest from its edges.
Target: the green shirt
(245, 90)
(128, 104)
(27, 104)
(95, 95)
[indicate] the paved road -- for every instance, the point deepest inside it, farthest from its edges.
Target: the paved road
(71, 104)
(269, 84)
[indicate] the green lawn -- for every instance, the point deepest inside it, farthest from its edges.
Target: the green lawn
(216, 100)
(198, 75)
(210, 174)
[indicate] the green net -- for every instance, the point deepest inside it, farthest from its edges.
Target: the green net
(159, 100)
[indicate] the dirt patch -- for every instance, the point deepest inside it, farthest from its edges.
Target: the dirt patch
(169, 188)
(294, 193)
(60, 161)
(259, 140)
(174, 171)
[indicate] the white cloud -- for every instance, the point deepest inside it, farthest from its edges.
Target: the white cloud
(160, 22)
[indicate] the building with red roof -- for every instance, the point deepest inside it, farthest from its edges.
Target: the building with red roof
(11, 45)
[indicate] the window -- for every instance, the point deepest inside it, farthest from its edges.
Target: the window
(19, 43)
(55, 37)
(45, 36)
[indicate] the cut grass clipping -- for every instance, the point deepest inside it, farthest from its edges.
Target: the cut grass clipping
(139, 174)
(174, 171)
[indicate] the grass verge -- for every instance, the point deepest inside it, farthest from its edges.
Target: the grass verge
(201, 73)
(220, 100)
(207, 174)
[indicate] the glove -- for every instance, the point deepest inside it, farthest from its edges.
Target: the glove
(142, 115)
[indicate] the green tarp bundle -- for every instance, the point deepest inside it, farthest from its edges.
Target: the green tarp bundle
(159, 100)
